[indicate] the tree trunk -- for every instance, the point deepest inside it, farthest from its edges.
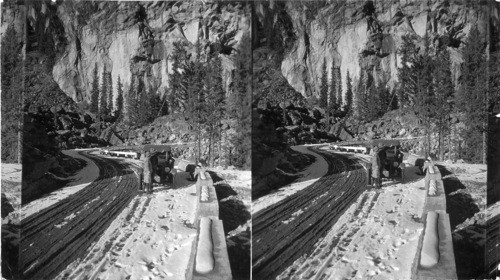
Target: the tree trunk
(199, 144)
(449, 146)
(220, 144)
(284, 114)
(327, 127)
(440, 139)
(209, 159)
(485, 143)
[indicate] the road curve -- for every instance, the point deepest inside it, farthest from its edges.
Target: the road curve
(288, 229)
(61, 233)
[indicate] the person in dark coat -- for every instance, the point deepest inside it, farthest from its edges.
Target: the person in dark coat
(154, 165)
(399, 159)
(170, 167)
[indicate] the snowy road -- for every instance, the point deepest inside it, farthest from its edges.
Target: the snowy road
(288, 229)
(336, 228)
(61, 233)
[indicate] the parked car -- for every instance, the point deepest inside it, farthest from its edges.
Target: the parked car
(391, 159)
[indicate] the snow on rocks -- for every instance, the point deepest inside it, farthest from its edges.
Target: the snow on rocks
(432, 187)
(430, 248)
(204, 193)
(204, 253)
(11, 188)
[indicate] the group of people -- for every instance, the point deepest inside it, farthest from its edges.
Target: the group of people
(151, 167)
(388, 159)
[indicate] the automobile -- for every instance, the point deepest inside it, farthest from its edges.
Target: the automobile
(391, 159)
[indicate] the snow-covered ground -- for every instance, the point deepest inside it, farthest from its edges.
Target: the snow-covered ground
(11, 187)
(308, 176)
(473, 177)
(78, 181)
(150, 239)
(239, 180)
(377, 237)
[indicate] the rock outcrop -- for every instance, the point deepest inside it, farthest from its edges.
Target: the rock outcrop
(356, 35)
(134, 38)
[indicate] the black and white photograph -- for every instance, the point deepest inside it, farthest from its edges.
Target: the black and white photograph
(133, 120)
(266, 139)
(370, 139)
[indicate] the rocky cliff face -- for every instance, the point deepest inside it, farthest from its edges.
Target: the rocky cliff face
(134, 38)
(356, 35)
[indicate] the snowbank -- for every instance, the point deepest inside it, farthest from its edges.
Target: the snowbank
(11, 187)
(310, 175)
(78, 181)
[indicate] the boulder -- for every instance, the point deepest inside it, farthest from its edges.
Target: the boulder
(345, 135)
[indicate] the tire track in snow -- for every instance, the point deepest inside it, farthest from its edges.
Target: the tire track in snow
(309, 213)
(46, 249)
(102, 257)
(331, 249)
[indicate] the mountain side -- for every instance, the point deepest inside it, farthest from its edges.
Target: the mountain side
(364, 35)
(133, 39)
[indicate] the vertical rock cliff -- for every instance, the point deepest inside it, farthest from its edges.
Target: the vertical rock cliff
(366, 35)
(133, 39)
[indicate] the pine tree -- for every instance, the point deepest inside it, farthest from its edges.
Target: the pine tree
(119, 100)
(443, 98)
(242, 91)
(103, 103)
(361, 94)
(12, 97)
(323, 89)
(132, 103)
(181, 68)
(424, 104)
(407, 79)
(196, 97)
(94, 95)
(348, 95)
(110, 94)
(338, 96)
(332, 102)
(215, 104)
(155, 102)
(164, 105)
(143, 105)
(472, 97)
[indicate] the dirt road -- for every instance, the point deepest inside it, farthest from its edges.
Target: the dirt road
(288, 229)
(61, 233)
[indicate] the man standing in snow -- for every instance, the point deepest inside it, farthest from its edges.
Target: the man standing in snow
(376, 167)
(147, 170)
(169, 166)
(197, 171)
(399, 159)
